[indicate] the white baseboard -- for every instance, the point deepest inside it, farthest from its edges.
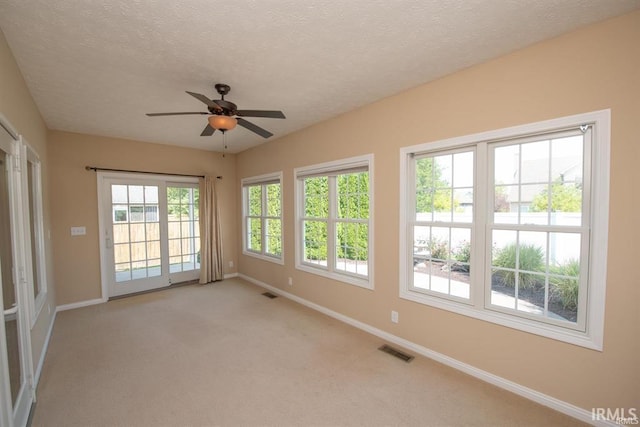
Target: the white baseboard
(43, 353)
(536, 396)
(230, 275)
(80, 304)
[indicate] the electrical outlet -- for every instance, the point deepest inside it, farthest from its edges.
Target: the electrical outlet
(290, 281)
(394, 316)
(231, 264)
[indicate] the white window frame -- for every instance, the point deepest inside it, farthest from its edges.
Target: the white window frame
(451, 224)
(36, 301)
(263, 181)
(326, 169)
(592, 334)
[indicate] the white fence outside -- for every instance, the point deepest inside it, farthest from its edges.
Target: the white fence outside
(562, 246)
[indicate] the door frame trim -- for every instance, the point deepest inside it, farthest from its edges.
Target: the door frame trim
(26, 393)
(101, 176)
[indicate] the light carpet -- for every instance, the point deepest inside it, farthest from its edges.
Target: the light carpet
(224, 355)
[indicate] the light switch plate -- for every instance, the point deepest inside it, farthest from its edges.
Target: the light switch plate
(78, 231)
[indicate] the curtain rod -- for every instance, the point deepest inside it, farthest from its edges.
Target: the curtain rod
(96, 169)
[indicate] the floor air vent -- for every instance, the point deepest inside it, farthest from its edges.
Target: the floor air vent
(396, 353)
(270, 295)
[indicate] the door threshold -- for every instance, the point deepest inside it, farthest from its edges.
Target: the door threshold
(149, 291)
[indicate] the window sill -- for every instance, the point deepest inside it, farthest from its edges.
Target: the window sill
(351, 280)
(270, 258)
(546, 330)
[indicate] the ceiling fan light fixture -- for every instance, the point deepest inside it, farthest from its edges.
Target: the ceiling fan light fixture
(222, 122)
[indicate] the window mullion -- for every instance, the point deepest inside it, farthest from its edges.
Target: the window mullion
(331, 224)
(410, 218)
(245, 217)
(484, 191)
(586, 232)
(163, 224)
(263, 220)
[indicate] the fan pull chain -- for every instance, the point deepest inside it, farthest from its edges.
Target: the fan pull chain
(224, 143)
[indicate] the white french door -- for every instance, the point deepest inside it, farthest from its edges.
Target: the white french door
(16, 379)
(149, 232)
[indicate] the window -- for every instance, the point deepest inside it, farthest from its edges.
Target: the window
(502, 226)
(334, 205)
(262, 217)
(442, 223)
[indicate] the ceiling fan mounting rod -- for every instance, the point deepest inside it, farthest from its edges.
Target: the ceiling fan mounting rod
(222, 89)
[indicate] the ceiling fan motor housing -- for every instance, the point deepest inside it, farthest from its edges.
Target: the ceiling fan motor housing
(225, 107)
(223, 89)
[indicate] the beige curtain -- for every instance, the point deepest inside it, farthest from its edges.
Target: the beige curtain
(210, 233)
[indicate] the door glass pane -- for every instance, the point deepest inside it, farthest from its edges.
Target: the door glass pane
(119, 194)
(6, 252)
(35, 261)
(184, 243)
(153, 231)
(153, 267)
(135, 231)
(8, 290)
(123, 272)
(136, 194)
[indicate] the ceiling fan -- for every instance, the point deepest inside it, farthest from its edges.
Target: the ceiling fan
(224, 115)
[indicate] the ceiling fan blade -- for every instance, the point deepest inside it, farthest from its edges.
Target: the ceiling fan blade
(204, 99)
(254, 128)
(208, 131)
(173, 114)
(262, 113)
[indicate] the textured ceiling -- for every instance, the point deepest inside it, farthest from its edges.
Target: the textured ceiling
(97, 67)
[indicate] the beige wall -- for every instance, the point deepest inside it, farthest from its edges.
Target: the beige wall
(75, 202)
(19, 108)
(595, 68)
